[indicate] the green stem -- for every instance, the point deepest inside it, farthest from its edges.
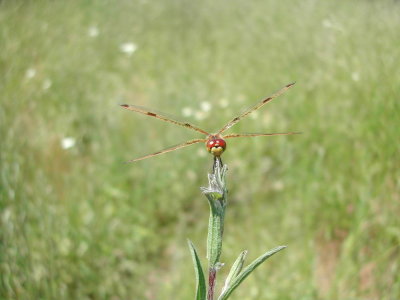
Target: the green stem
(214, 244)
(216, 194)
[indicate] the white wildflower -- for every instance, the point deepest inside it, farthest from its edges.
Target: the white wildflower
(93, 31)
(30, 73)
(205, 106)
(7, 214)
(128, 48)
(327, 23)
(278, 186)
(200, 115)
(38, 273)
(267, 119)
(254, 115)
(187, 112)
(332, 25)
(67, 142)
(46, 84)
(355, 76)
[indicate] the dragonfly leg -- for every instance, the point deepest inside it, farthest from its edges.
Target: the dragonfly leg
(217, 163)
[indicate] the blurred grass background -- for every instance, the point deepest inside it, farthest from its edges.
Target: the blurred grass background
(76, 223)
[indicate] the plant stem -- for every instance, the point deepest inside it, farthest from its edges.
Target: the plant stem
(216, 194)
(212, 276)
(217, 198)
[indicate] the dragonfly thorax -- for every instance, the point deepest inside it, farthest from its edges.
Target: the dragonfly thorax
(216, 145)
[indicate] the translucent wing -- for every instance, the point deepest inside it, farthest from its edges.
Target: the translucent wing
(237, 135)
(255, 107)
(147, 112)
(176, 147)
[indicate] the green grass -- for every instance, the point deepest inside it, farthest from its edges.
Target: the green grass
(79, 224)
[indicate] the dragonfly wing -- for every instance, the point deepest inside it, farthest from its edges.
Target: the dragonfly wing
(238, 135)
(176, 147)
(147, 112)
(255, 107)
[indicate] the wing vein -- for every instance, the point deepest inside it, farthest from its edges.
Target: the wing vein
(145, 111)
(255, 107)
(185, 144)
(237, 135)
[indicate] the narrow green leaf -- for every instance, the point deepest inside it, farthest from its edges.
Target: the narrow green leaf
(215, 232)
(238, 280)
(235, 270)
(200, 281)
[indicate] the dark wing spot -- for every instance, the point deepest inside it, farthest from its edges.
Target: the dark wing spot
(235, 119)
(266, 100)
(187, 125)
(124, 105)
(151, 114)
(290, 84)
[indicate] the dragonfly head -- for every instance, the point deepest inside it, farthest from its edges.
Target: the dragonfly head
(216, 145)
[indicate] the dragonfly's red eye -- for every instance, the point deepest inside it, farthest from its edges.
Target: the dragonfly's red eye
(216, 146)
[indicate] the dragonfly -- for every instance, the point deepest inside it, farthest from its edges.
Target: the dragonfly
(215, 142)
